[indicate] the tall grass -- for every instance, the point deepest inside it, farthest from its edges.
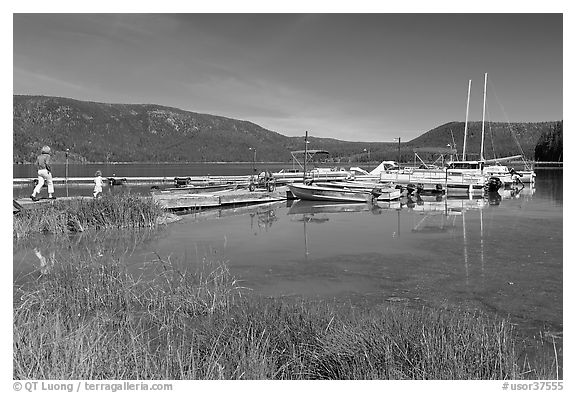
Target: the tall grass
(96, 321)
(110, 211)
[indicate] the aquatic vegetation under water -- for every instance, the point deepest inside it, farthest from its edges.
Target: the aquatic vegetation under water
(87, 320)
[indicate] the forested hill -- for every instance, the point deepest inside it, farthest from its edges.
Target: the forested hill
(120, 132)
(500, 140)
(102, 132)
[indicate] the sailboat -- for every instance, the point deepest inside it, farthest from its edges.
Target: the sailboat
(494, 171)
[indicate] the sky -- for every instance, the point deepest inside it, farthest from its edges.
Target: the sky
(350, 76)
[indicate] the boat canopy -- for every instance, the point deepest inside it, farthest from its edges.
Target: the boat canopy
(439, 151)
(308, 155)
(466, 165)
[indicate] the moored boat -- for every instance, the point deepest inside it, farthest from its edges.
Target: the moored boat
(320, 193)
(383, 191)
(389, 194)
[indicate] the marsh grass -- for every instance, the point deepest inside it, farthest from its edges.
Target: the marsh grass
(84, 320)
(77, 215)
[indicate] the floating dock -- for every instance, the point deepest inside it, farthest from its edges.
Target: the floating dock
(174, 201)
(177, 201)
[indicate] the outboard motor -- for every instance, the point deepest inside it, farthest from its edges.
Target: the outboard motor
(493, 184)
(376, 192)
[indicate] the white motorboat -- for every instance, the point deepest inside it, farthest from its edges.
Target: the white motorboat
(337, 194)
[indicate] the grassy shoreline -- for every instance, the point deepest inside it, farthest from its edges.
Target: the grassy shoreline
(78, 215)
(87, 320)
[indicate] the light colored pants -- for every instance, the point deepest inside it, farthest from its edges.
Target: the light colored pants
(43, 174)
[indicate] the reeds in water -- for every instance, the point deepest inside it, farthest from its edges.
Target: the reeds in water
(110, 211)
(96, 321)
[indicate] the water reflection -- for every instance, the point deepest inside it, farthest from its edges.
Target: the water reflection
(264, 219)
(46, 263)
(465, 251)
(38, 254)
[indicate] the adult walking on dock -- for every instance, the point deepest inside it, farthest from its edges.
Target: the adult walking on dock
(44, 174)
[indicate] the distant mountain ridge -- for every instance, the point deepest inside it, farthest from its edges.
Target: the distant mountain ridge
(103, 132)
(500, 140)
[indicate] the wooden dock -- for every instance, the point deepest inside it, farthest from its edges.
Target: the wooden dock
(27, 203)
(220, 198)
(173, 201)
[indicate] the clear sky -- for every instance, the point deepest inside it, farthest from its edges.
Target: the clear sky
(357, 77)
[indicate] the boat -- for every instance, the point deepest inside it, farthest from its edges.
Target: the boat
(389, 194)
(374, 175)
(315, 192)
(436, 180)
(382, 191)
(507, 176)
(462, 174)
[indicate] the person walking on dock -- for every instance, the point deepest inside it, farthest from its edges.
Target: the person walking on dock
(98, 184)
(44, 174)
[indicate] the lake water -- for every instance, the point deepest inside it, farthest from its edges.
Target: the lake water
(153, 169)
(500, 255)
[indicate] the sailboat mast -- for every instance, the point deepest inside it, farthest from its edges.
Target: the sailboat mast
(466, 123)
(305, 157)
(483, 117)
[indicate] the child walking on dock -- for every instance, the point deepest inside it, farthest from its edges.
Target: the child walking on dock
(98, 184)
(44, 174)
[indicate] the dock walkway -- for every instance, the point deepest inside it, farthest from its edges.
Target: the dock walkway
(219, 198)
(173, 201)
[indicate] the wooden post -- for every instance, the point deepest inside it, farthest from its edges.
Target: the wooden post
(67, 150)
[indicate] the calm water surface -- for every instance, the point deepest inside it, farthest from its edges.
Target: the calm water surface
(498, 255)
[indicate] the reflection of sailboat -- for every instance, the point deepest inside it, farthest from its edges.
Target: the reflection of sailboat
(447, 205)
(309, 218)
(466, 244)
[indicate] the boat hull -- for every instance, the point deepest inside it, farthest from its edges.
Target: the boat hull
(316, 193)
